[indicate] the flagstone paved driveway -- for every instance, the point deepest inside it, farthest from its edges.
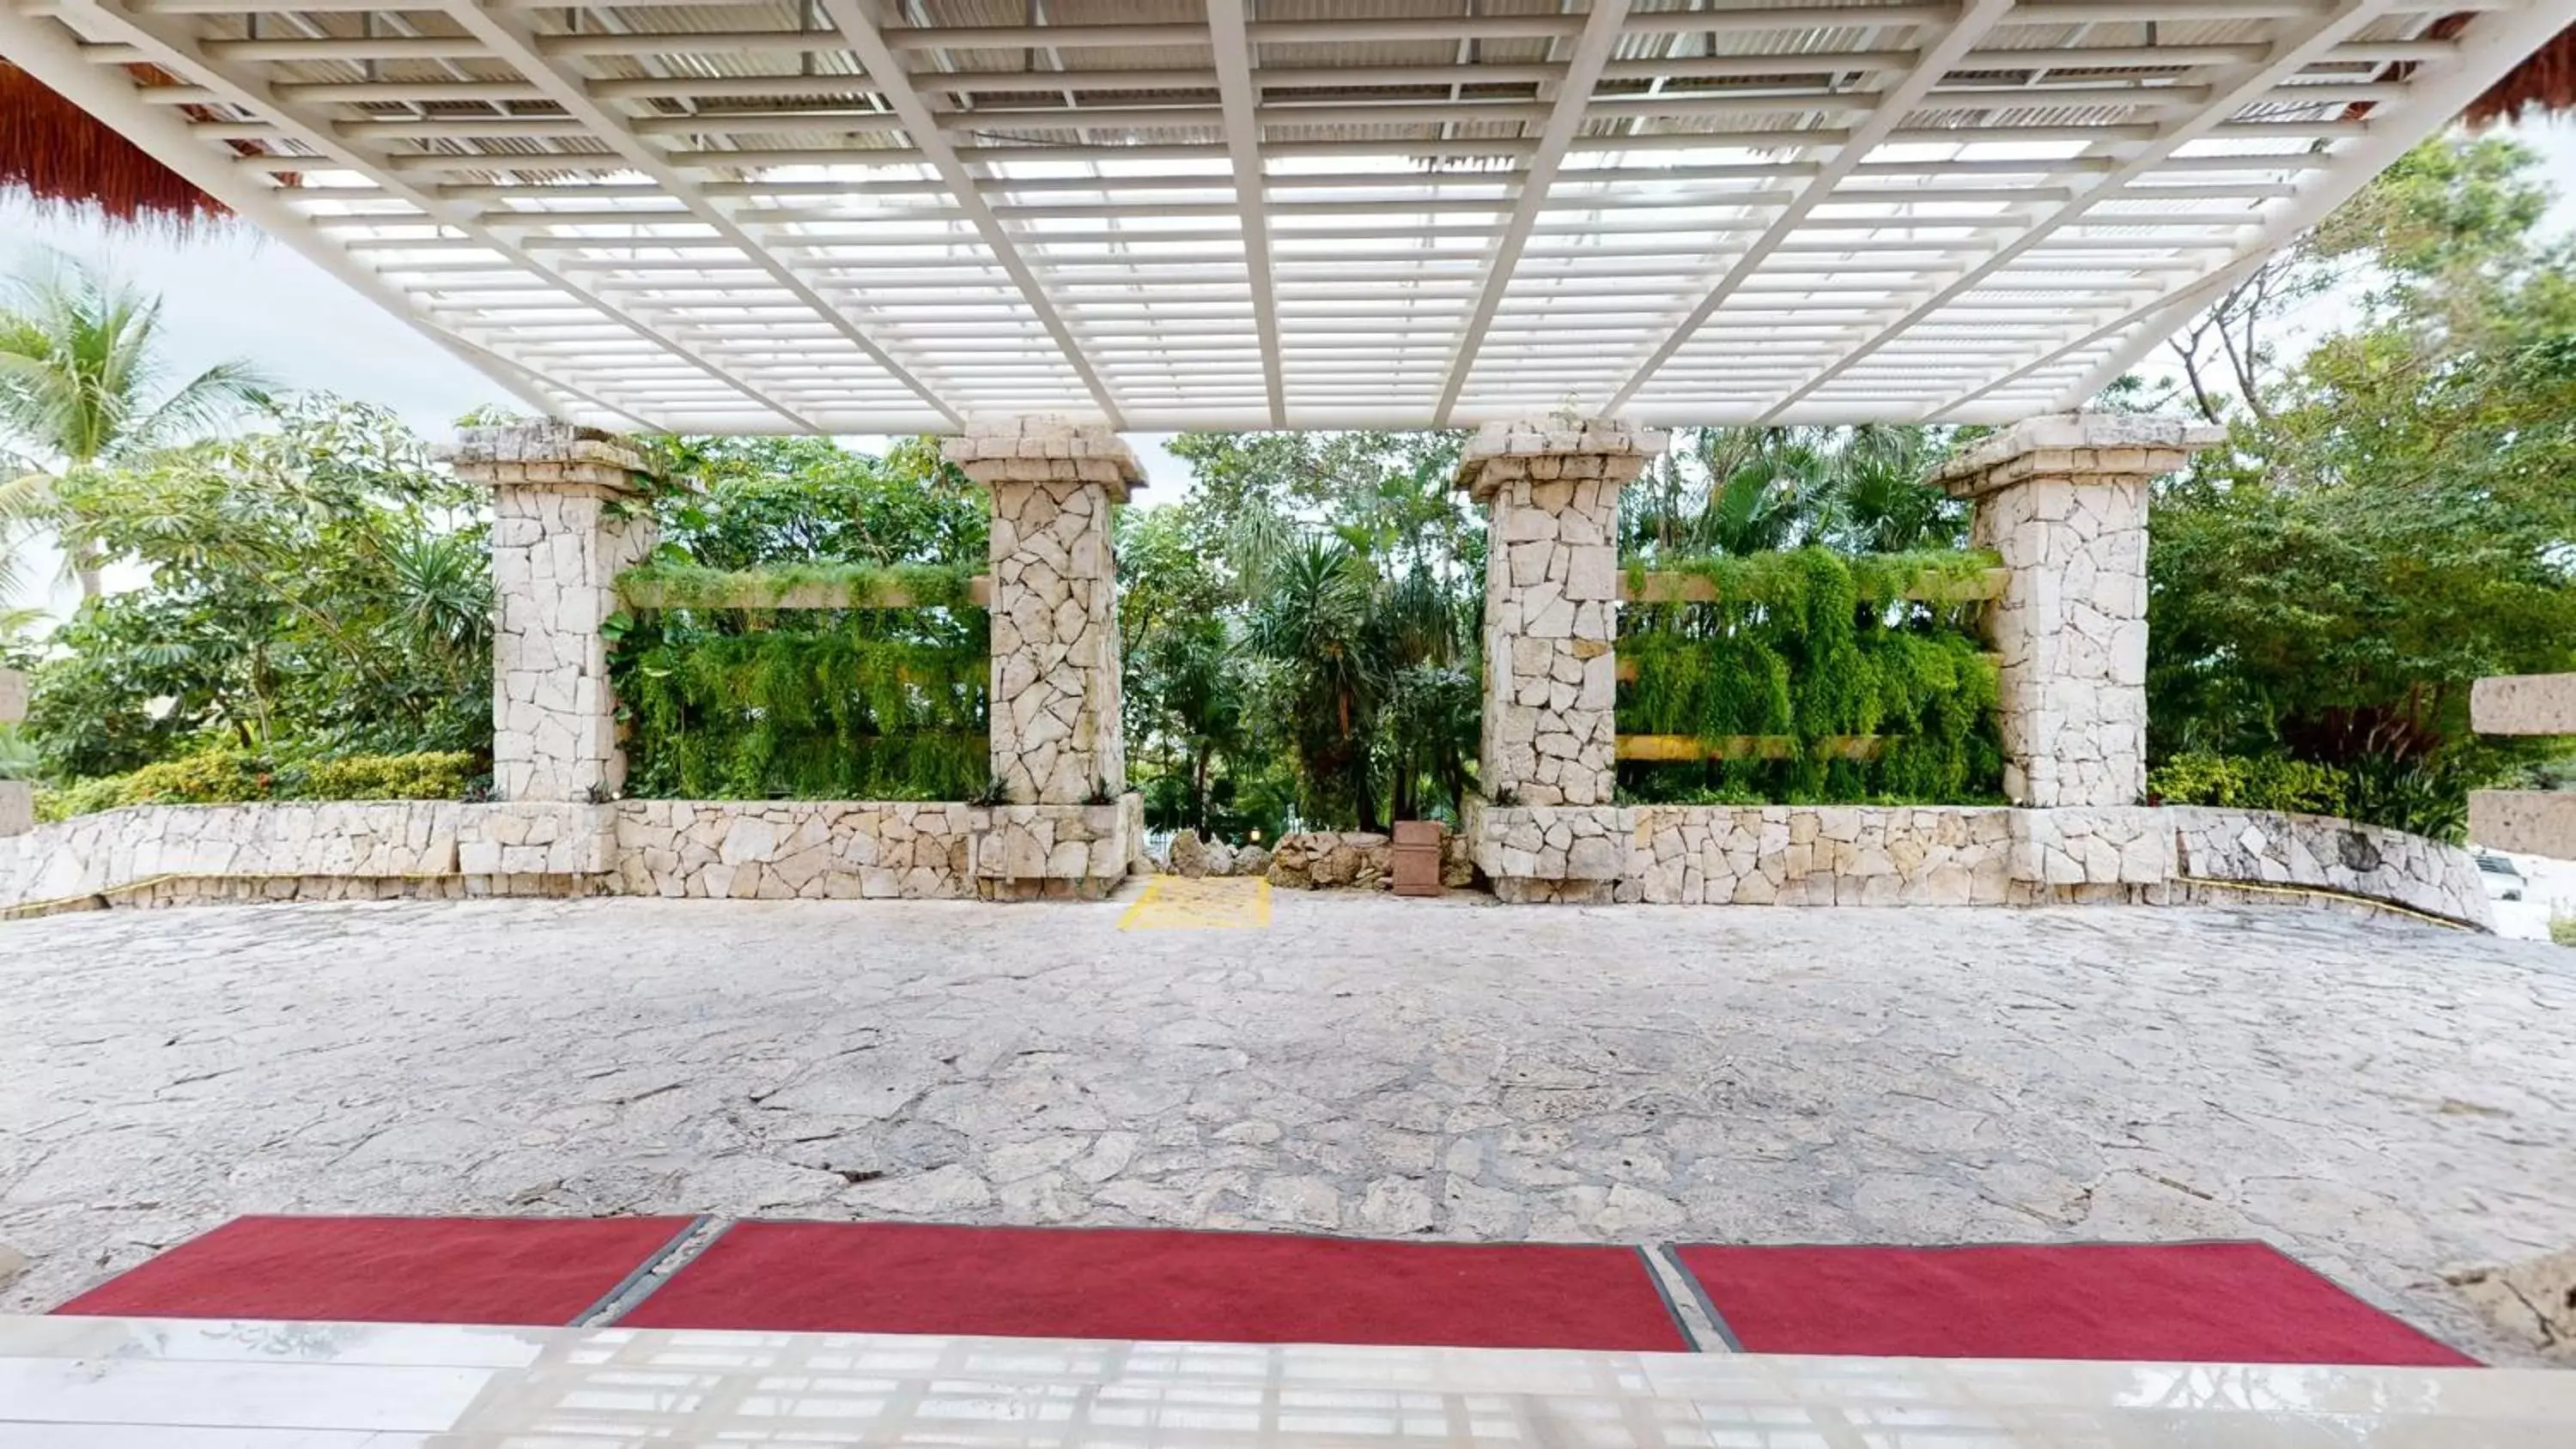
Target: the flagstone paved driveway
(2388, 1102)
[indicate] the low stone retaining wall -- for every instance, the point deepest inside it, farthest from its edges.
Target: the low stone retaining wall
(1690, 855)
(2258, 848)
(367, 850)
(1956, 856)
(92, 855)
(846, 850)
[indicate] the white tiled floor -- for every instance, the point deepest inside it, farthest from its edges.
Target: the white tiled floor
(90, 1383)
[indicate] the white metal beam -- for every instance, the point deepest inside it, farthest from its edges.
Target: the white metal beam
(48, 53)
(2437, 92)
(1592, 47)
(512, 43)
(1961, 37)
(1241, 100)
(868, 43)
(179, 51)
(2231, 88)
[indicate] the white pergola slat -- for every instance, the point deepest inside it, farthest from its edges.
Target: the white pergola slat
(890, 215)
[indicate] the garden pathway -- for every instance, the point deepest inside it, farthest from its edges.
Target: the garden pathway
(2390, 1102)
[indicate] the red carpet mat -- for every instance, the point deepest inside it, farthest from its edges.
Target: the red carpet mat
(1152, 1284)
(536, 1271)
(2203, 1302)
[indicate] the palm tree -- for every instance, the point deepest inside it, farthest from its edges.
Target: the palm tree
(80, 368)
(1313, 624)
(1755, 490)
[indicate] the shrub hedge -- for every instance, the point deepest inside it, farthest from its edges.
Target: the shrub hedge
(233, 777)
(2244, 782)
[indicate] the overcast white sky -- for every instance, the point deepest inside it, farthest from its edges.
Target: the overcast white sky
(236, 294)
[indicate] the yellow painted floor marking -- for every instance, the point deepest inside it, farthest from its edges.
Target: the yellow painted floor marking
(1219, 903)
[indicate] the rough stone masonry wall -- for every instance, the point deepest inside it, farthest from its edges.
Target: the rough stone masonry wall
(2253, 847)
(565, 522)
(1860, 855)
(2063, 501)
(17, 797)
(1716, 855)
(1056, 732)
(368, 850)
(1534, 854)
(1551, 604)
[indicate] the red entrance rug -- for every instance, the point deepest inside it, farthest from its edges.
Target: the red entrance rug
(2157, 1303)
(535, 1271)
(1154, 1284)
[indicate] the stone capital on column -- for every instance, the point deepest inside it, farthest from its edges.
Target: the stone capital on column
(2062, 500)
(1055, 707)
(561, 534)
(548, 454)
(2101, 448)
(1046, 449)
(1538, 449)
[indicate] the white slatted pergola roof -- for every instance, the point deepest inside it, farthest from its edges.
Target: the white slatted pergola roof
(892, 215)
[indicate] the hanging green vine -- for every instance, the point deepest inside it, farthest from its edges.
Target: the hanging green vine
(1782, 578)
(1816, 646)
(826, 711)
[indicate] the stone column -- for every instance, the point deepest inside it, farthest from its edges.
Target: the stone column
(1544, 827)
(568, 514)
(1551, 488)
(1056, 733)
(17, 797)
(2063, 501)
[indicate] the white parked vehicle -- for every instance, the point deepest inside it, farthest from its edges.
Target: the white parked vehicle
(2505, 880)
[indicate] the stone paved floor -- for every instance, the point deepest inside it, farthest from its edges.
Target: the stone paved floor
(2386, 1101)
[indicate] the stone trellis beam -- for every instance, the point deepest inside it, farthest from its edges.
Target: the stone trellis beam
(567, 516)
(2531, 822)
(2063, 501)
(17, 797)
(1056, 733)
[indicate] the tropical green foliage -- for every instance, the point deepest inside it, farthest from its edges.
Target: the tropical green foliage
(858, 708)
(730, 702)
(228, 777)
(1744, 491)
(1814, 646)
(2395, 515)
(677, 585)
(314, 590)
(1300, 633)
(81, 391)
(2258, 782)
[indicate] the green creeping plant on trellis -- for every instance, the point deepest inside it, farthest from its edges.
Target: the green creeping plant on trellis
(1816, 646)
(730, 696)
(821, 706)
(679, 585)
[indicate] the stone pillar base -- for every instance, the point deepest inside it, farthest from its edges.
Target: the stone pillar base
(1556, 892)
(1547, 854)
(1055, 852)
